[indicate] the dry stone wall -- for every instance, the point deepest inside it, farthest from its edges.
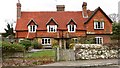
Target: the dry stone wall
(94, 51)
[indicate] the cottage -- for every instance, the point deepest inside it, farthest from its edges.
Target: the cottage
(61, 25)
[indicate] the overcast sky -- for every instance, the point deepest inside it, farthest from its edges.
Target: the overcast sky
(8, 7)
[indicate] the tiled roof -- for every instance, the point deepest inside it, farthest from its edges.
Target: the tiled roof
(41, 18)
(95, 11)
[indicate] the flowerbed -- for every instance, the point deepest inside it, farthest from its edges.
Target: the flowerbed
(28, 61)
(94, 51)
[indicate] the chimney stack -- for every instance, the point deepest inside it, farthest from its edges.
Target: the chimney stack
(84, 10)
(60, 7)
(18, 10)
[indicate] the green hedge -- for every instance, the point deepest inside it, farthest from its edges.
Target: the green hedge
(8, 47)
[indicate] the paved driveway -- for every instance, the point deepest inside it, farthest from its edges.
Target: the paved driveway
(85, 62)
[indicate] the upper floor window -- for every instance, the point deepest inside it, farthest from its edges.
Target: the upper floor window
(52, 28)
(98, 25)
(71, 28)
(32, 28)
(99, 40)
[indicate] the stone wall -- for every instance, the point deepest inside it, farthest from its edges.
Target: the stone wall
(94, 51)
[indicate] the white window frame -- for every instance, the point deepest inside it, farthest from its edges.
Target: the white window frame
(46, 42)
(32, 28)
(98, 40)
(75, 40)
(21, 39)
(51, 26)
(97, 26)
(70, 28)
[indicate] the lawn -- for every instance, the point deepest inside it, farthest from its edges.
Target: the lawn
(47, 53)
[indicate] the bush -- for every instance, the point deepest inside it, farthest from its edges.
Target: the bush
(55, 44)
(34, 43)
(71, 46)
(8, 47)
(26, 43)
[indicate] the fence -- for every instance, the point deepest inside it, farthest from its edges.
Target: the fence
(65, 55)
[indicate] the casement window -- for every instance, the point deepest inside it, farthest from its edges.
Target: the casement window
(71, 28)
(98, 25)
(32, 28)
(98, 40)
(75, 40)
(51, 28)
(46, 41)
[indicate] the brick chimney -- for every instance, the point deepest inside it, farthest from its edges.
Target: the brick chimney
(18, 10)
(60, 7)
(84, 10)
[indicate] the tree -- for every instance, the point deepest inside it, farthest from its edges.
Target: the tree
(116, 32)
(9, 30)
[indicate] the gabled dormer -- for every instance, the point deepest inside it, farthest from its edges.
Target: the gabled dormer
(32, 26)
(52, 25)
(71, 26)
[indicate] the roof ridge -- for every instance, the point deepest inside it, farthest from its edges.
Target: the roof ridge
(50, 11)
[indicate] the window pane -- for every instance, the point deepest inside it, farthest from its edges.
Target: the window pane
(75, 40)
(51, 29)
(42, 41)
(98, 24)
(100, 40)
(72, 27)
(33, 28)
(48, 41)
(45, 41)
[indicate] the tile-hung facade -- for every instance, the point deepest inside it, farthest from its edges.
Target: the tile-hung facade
(61, 25)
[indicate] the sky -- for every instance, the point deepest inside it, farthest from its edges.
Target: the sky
(8, 7)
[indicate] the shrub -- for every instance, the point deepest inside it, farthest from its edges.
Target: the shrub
(71, 46)
(8, 47)
(35, 43)
(26, 43)
(55, 44)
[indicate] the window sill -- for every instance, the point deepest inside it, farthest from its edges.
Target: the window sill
(32, 32)
(98, 29)
(51, 32)
(46, 44)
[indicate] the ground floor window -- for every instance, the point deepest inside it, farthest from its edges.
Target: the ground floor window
(99, 40)
(75, 40)
(46, 41)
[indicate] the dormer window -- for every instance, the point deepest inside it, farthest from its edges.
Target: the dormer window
(52, 25)
(32, 28)
(98, 24)
(51, 28)
(71, 28)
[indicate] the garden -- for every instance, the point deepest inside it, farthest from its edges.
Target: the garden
(18, 54)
